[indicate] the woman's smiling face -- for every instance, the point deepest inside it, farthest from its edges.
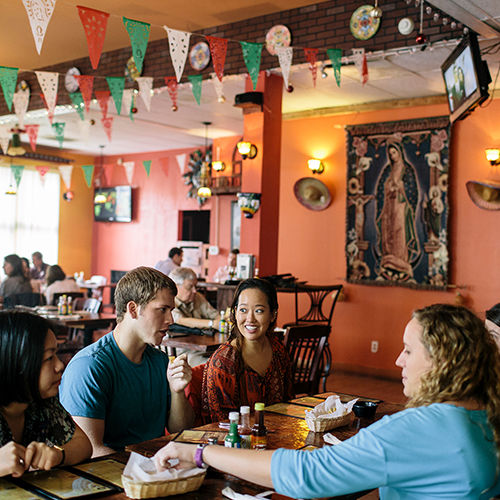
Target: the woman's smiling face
(253, 314)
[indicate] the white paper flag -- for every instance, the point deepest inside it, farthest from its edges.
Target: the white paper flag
(360, 63)
(181, 161)
(285, 55)
(65, 171)
(127, 100)
(84, 127)
(39, 13)
(21, 100)
(5, 136)
(145, 87)
(129, 170)
(49, 83)
(178, 42)
(219, 87)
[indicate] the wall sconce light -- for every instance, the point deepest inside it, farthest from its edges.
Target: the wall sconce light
(249, 203)
(218, 166)
(247, 150)
(316, 166)
(493, 156)
(68, 195)
(204, 192)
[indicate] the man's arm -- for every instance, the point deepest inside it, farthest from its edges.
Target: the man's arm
(181, 415)
(94, 429)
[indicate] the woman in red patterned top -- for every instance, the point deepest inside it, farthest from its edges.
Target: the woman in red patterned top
(252, 366)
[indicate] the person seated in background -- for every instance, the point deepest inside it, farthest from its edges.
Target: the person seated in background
(445, 444)
(39, 269)
(492, 323)
(226, 272)
(35, 430)
(16, 281)
(121, 390)
(58, 283)
(35, 284)
(173, 261)
(252, 366)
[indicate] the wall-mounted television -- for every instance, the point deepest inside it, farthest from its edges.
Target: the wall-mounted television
(466, 77)
(113, 204)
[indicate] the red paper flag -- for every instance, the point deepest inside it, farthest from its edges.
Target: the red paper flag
(108, 173)
(42, 171)
(86, 84)
(32, 131)
(171, 82)
(218, 48)
(94, 23)
(364, 70)
(102, 97)
(164, 165)
(312, 59)
(50, 115)
(107, 124)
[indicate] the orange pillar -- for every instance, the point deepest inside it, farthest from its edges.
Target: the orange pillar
(259, 235)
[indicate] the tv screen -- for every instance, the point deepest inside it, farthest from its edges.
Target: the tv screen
(113, 204)
(466, 78)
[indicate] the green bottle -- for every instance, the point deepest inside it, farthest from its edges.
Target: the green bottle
(233, 439)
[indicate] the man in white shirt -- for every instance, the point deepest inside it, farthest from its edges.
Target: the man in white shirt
(224, 272)
(174, 260)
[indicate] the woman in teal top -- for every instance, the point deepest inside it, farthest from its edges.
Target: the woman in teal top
(445, 445)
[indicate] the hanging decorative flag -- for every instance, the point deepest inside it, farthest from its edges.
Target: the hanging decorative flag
(139, 35)
(147, 166)
(285, 56)
(218, 48)
(102, 97)
(335, 56)
(196, 81)
(312, 59)
(107, 124)
(84, 127)
(32, 131)
(128, 100)
(50, 114)
(172, 90)
(39, 13)
(17, 170)
(129, 167)
(164, 165)
(21, 101)
(94, 23)
(181, 161)
(88, 171)
(361, 64)
(145, 88)
(178, 42)
(8, 80)
(219, 87)
(58, 129)
(49, 83)
(65, 172)
(116, 85)
(42, 171)
(77, 100)
(108, 172)
(252, 53)
(86, 84)
(5, 136)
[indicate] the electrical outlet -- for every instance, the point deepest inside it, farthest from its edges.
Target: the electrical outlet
(374, 345)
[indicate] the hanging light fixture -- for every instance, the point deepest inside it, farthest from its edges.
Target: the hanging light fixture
(11, 189)
(204, 190)
(16, 149)
(376, 12)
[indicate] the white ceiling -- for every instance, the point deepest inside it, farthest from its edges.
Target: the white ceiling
(411, 74)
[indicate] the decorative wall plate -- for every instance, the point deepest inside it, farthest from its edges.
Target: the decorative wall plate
(199, 56)
(362, 25)
(312, 193)
(405, 26)
(70, 81)
(278, 36)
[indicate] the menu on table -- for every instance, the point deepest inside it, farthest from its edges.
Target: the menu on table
(10, 491)
(192, 436)
(308, 401)
(345, 398)
(288, 409)
(107, 469)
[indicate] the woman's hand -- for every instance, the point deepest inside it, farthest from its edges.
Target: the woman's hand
(12, 459)
(183, 452)
(43, 457)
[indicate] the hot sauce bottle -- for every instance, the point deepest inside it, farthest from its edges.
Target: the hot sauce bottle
(245, 430)
(233, 439)
(259, 430)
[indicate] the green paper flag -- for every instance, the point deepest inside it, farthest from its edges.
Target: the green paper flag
(252, 53)
(147, 166)
(58, 129)
(77, 100)
(8, 80)
(116, 86)
(88, 171)
(139, 35)
(335, 55)
(17, 170)
(196, 81)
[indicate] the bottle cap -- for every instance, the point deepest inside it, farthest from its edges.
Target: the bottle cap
(234, 415)
(244, 410)
(259, 406)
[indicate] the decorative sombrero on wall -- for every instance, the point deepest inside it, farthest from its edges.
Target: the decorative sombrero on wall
(312, 193)
(485, 194)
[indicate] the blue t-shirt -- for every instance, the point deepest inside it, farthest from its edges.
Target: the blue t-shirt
(133, 399)
(433, 452)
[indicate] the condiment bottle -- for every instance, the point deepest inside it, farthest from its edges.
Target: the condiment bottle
(222, 323)
(233, 439)
(245, 430)
(256, 273)
(70, 305)
(259, 431)
(60, 306)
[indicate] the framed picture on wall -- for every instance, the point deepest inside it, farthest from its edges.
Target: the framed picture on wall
(235, 225)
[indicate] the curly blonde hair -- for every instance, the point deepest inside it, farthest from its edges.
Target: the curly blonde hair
(465, 362)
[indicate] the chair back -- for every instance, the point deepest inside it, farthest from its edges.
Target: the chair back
(73, 295)
(317, 295)
(92, 305)
(305, 346)
(193, 392)
(27, 299)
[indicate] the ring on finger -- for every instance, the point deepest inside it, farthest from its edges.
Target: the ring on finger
(21, 461)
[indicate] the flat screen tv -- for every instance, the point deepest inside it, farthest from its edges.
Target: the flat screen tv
(466, 78)
(113, 204)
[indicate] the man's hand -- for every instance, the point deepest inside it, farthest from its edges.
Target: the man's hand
(179, 373)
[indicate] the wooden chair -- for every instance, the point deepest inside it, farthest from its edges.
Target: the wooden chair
(306, 345)
(27, 299)
(193, 392)
(90, 305)
(73, 295)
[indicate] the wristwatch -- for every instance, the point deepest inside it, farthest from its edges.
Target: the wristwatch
(198, 456)
(211, 323)
(63, 454)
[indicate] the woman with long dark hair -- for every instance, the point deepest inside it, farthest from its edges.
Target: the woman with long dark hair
(16, 281)
(58, 283)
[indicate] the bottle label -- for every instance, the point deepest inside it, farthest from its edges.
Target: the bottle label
(246, 441)
(259, 442)
(230, 444)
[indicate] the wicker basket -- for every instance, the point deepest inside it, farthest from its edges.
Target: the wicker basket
(138, 489)
(327, 424)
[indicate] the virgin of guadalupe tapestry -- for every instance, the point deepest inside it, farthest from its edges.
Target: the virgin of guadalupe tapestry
(397, 203)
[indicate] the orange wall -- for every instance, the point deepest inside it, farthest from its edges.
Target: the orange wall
(311, 244)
